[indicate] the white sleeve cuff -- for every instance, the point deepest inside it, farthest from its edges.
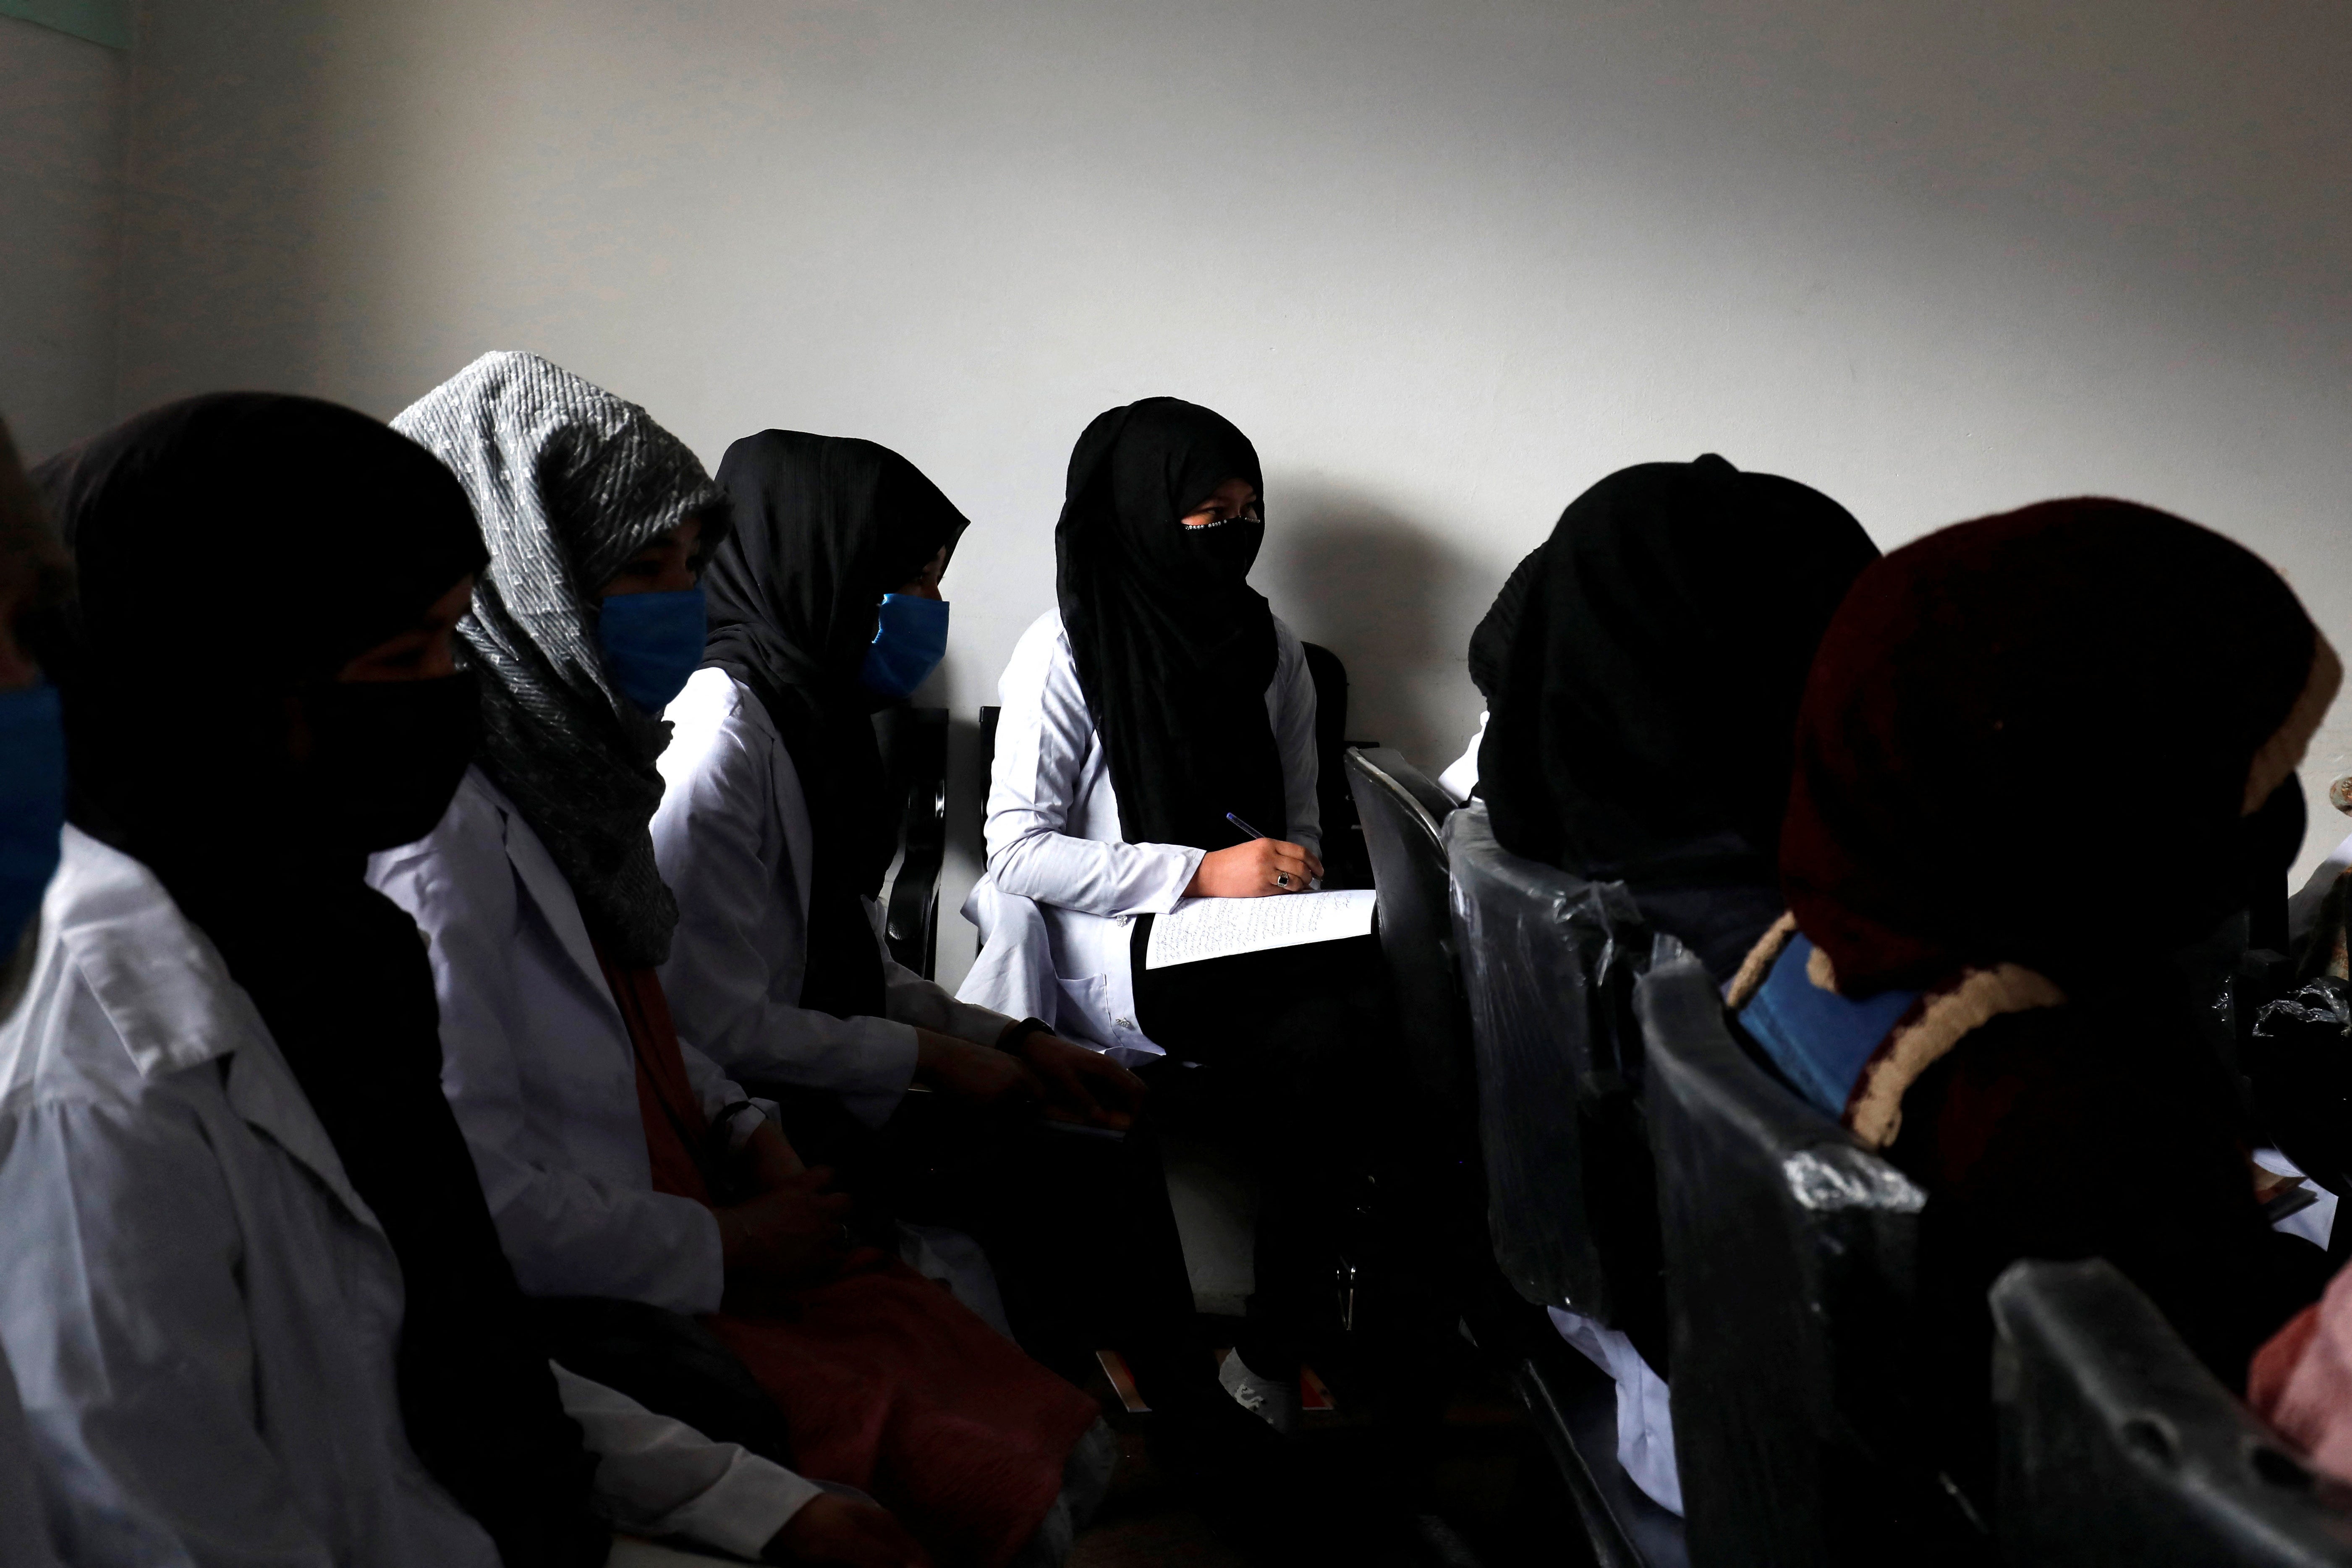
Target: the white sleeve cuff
(1173, 866)
(658, 1477)
(746, 1120)
(743, 1509)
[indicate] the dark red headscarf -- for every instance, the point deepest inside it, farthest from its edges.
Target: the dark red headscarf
(1990, 694)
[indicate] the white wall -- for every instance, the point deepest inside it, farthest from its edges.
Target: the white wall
(1447, 263)
(63, 106)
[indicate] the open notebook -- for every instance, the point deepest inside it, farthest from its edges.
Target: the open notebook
(1200, 928)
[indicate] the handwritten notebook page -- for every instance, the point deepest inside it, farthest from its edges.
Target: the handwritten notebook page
(1200, 928)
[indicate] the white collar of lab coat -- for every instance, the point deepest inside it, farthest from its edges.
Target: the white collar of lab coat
(547, 885)
(167, 991)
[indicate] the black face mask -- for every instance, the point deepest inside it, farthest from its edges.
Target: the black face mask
(2272, 835)
(387, 755)
(1222, 553)
(2269, 838)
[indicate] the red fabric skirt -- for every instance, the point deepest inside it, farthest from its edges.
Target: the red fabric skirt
(887, 1382)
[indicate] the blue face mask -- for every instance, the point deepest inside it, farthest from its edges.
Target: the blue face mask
(652, 642)
(908, 645)
(32, 804)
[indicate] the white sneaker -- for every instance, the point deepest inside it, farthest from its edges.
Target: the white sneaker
(1272, 1400)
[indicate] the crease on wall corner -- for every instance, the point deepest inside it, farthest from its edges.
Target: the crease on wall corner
(104, 22)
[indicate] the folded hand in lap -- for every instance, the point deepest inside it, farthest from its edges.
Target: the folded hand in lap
(792, 1234)
(834, 1530)
(1082, 1084)
(979, 1074)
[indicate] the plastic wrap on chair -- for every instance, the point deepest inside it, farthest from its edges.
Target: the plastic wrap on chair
(2299, 1061)
(2117, 1445)
(1801, 1425)
(1549, 961)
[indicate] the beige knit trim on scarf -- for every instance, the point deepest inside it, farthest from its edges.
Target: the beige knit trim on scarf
(2276, 761)
(1758, 965)
(1946, 1017)
(1941, 1020)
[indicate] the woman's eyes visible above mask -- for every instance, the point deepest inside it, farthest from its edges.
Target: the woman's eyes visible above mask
(926, 583)
(1234, 500)
(667, 564)
(426, 650)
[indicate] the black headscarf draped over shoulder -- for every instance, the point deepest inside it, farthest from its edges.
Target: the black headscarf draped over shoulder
(824, 526)
(1174, 649)
(234, 552)
(1644, 700)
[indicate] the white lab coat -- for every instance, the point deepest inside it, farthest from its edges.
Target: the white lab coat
(734, 839)
(23, 1533)
(538, 1066)
(1460, 775)
(1056, 908)
(200, 1310)
(1646, 1423)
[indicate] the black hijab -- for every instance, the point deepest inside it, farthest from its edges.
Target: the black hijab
(1174, 648)
(233, 553)
(1648, 692)
(824, 526)
(1490, 644)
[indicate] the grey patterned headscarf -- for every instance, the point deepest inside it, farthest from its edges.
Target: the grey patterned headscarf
(568, 482)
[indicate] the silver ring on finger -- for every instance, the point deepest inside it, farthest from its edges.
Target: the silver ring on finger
(1282, 879)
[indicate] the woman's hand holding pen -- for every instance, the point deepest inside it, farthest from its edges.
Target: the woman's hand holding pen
(1254, 870)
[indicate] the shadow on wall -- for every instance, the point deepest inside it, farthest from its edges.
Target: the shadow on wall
(1392, 597)
(242, 196)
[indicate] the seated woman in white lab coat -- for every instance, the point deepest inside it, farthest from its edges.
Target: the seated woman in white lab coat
(1153, 724)
(775, 829)
(774, 832)
(617, 1159)
(251, 1290)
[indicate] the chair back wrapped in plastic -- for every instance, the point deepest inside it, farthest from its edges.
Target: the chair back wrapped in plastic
(2297, 1059)
(1791, 1265)
(1549, 961)
(2117, 1445)
(1401, 808)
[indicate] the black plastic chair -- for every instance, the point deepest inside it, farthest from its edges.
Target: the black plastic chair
(1549, 961)
(1401, 808)
(1535, 1248)
(1791, 1256)
(914, 742)
(2118, 1446)
(1344, 861)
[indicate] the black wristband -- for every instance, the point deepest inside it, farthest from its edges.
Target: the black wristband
(1015, 1033)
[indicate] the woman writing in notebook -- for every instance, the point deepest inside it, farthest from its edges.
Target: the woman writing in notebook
(1149, 721)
